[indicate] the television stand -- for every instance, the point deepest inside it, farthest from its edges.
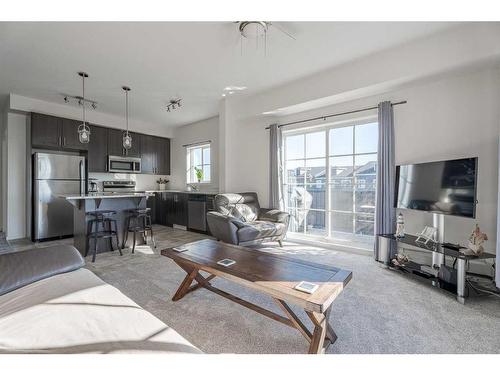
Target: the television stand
(422, 271)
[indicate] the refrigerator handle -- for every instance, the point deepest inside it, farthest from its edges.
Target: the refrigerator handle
(82, 177)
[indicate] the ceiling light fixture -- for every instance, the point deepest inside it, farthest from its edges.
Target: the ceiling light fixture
(83, 128)
(127, 139)
(257, 30)
(235, 88)
(173, 104)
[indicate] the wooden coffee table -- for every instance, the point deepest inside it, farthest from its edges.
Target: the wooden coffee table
(274, 275)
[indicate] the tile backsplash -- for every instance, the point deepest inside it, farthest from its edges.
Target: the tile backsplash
(143, 181)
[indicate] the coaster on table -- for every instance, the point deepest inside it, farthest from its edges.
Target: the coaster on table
(180, 249)
(226, 262)
(307, 287)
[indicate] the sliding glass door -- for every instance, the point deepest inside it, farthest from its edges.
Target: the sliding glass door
(330, 182)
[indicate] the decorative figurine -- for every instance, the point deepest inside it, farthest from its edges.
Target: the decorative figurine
(400, 226)
(400, 260)
(476, 241)
(426, 235)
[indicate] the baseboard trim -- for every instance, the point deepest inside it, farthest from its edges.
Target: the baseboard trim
(327, 245)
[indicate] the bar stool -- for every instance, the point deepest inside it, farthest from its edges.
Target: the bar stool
(103, 218)
(139, 221)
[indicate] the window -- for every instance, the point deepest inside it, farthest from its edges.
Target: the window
(198, 160)
(330, 182)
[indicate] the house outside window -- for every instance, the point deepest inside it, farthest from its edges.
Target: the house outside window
(330, 182)
(198, 162)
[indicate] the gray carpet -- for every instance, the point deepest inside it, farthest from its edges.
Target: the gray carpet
(4, 245)
(379, 312)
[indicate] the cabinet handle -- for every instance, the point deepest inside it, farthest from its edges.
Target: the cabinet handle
(59, 142)
(64, 141)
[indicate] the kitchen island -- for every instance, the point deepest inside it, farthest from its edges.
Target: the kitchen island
(85, 203)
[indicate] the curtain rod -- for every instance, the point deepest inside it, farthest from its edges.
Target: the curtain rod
(197, 143)
(335, 114)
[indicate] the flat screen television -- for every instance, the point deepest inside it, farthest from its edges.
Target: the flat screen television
(445, 187)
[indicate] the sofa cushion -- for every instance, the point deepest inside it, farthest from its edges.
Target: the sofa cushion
(21, 268)
(77, 312)
(260, 229)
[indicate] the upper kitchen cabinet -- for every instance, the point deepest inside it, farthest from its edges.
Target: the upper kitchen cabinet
(162, 146)
(115, 144)
(155, 155)
(148, 163)
(55, 132)
(69, 135)
(98, 149)
(45, 131)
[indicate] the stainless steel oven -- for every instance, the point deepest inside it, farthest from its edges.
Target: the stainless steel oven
(124, 164)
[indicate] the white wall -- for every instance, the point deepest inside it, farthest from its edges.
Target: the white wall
(3, 166)
(455, 116)
(15, 203)
(205, 130)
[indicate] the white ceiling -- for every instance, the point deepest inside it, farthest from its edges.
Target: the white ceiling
(191, 60)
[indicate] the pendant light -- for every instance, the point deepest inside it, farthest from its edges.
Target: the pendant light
(127, 139)
(83, 128)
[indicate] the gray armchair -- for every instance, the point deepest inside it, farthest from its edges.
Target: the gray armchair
(238, 219)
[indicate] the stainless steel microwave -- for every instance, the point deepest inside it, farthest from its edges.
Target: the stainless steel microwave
(124, 164)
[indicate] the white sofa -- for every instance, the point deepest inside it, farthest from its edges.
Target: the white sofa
(74, 311)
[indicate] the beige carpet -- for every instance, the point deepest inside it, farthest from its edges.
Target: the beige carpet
(379, 312)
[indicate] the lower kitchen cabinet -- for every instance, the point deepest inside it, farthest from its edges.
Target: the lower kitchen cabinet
(178, 202)
(170, 208)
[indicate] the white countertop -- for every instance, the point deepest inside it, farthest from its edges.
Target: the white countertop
(183, 192)
(101, 195)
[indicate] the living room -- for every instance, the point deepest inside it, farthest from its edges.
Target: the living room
(230, 195)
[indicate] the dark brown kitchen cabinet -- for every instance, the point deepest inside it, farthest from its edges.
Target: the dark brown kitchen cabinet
(155, 155)
(148, 163)
(50, 132)
(162, 148)
(177, 202)
(115, 144)
(55, 132)
(45, 131)
(69, 135)
(98, 149)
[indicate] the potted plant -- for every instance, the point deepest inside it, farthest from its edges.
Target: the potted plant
(199, 174)
(162, 183)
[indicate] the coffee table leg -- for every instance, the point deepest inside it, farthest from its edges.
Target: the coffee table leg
(322, 331)
(184, 287)
(330, 333)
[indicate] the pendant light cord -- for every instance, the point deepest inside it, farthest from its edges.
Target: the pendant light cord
(83, 102)
(126, 107)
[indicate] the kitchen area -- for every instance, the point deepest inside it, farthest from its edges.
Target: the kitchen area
(70, 178)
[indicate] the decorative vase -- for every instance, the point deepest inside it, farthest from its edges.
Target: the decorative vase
(162, 186)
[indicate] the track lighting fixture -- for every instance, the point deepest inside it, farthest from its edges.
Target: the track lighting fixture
(173, 104)
(80, 101)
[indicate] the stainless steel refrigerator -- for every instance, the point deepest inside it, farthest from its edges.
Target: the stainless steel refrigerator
(55, 174)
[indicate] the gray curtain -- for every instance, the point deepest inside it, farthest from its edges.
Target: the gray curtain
(275, 168)
(385, 213)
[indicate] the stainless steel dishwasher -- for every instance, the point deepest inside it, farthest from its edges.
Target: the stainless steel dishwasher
(197, 210)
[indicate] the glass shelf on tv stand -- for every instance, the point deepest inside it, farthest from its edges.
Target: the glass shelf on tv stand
(411, 240)
(412, 268)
